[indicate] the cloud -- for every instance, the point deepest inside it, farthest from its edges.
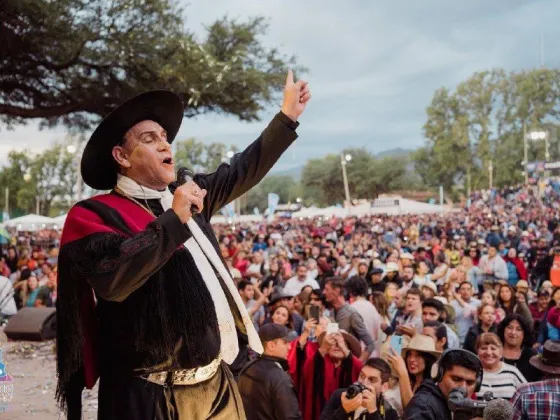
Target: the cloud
(374, 65)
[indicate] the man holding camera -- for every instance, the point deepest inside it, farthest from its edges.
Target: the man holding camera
(457, 368)
(364, 399)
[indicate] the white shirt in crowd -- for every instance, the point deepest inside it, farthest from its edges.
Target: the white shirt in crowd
(372, 319)
(502, 383)
(7, 302)
(294, 285)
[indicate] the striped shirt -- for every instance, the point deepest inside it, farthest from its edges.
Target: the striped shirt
(502, 383)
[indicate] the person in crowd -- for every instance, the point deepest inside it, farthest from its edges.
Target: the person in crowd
(539, 309)
(465, 306)
(456, 368)
(507, 300)
(516, 337)
(516, 269)
(281, 315)
(432, 310)
(486, 323)
(46, 297)
(265, 386)
(368, 404)
(295, 284)
(320, 368)
(377, 284)
(414, 364)
(347, 317)
(492, 265)
(499, 377)
(438, 332)
(540, 400)
(356, 287)
(409, 321)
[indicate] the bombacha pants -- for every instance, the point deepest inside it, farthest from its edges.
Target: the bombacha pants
(137, 399)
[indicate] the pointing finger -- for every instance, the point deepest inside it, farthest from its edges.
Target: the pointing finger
(290, 77)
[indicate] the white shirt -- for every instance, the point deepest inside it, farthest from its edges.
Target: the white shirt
(294, 285)
(7, 302)
(372, 319)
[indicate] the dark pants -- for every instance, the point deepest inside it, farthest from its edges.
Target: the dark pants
(137, 399)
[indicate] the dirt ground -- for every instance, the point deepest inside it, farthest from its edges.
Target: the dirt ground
(32, 367)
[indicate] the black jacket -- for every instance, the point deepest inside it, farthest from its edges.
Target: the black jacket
(334, 411)
(472, 335)
(267, 390)
(428, 403)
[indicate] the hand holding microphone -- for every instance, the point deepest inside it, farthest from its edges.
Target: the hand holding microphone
(188, 198)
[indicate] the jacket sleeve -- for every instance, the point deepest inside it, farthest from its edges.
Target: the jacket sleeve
(247, 168)
(286, 406)
(333, 408)
(114, 265)
(360, 330)
(415, 410)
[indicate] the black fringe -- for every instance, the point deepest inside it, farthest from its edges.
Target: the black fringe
(174, 304)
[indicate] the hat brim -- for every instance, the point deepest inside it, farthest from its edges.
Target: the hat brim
(405, 350)
(538, 363)
(98, 168)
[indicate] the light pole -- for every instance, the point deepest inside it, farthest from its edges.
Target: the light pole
(344, 159)
(536, 135)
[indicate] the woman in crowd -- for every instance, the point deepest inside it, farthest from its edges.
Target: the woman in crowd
(415, 365)
(516, 268)
(499, 378)
(282, 316)
(516, 337)
(486, 323)
(507, 300)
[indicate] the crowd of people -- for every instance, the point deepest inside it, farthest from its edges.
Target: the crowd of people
(375, 301)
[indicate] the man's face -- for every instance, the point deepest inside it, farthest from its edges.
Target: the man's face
(372, 377)
(431, 332)
(492, 252)
(465, 291)
(342, 261)
(330, 292)
(408, 274)
(412, 303)
(429, 314)
(302, 272)
(146, 155)
(278, 348)
(457, 377)
(376, 278)
(287, 302)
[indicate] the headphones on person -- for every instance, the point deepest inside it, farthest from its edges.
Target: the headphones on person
(446, 353)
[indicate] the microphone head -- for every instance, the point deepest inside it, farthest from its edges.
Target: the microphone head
(498, 409)
(184, 175)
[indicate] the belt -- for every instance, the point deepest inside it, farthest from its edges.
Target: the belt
(185, 376)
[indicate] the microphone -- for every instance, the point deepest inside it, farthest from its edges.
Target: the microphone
(498, 409)
(185, 175)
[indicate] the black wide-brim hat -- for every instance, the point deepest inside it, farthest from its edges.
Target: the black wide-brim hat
(99, 168)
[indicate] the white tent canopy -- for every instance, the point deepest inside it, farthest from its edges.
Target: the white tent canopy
(31, 222)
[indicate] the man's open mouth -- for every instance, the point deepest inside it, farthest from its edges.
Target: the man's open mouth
(168, 161)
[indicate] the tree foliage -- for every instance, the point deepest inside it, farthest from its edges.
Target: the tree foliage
(368, 176)
(49, 178)
(72, 61)
(483, 121)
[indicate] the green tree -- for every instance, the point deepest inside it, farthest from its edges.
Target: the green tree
(483, 120)
(201, 157)
(13, 176)
(72, 61)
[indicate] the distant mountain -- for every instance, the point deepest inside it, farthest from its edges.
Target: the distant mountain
(296, 171)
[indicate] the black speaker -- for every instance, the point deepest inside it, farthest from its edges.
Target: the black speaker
(32, 324)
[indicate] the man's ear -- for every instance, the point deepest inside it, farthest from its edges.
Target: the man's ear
(384, 387)
(120, 155)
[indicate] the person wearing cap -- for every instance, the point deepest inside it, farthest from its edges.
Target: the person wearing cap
(144, 299)
(541, 400)
(376, 284)
(392, 274)
(266, 388)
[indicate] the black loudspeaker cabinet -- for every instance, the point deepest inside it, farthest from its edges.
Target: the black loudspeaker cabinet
(32, 324)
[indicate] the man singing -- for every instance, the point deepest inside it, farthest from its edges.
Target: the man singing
(145, 301)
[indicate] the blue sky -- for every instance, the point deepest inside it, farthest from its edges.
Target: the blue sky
(374, 65)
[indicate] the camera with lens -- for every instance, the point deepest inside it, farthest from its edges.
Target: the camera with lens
(355, 389)
(464, 408)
